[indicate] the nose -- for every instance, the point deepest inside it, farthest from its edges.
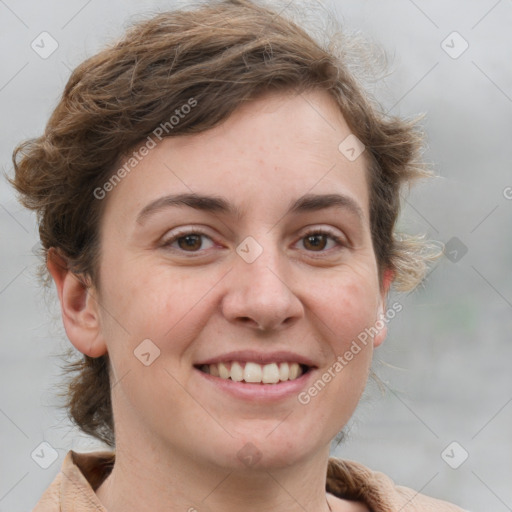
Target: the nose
(261, 294)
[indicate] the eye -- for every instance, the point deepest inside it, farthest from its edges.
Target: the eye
(188, 241)
(196, 241)
(317, 240)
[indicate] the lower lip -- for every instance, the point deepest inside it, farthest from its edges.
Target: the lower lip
(260, 392)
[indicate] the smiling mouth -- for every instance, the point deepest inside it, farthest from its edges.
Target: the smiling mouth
(255, 373)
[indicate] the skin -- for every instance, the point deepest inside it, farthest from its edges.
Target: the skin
(178, 436)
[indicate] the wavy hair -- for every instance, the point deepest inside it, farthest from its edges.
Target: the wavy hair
(222, 54)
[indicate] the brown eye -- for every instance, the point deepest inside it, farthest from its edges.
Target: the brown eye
(189, 241)
(315, 242)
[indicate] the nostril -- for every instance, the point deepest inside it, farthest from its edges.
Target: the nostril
(250, 321)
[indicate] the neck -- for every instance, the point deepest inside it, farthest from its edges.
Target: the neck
(150, 481)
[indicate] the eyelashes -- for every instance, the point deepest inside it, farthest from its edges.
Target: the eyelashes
(326, 234)
(190, 238)
(190, 242)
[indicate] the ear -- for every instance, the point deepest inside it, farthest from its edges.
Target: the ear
(387, 279)
(79, 307)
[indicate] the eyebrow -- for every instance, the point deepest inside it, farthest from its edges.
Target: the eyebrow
(215, 204)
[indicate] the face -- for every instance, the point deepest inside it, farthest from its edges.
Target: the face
(273, 265)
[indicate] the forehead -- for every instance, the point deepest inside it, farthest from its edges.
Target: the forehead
(270, 151)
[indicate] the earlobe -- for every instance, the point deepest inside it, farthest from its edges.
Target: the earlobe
(382, 329)
(79, 307)
(387, 279)
(381, 322)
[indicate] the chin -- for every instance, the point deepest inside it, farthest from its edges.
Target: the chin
(260, 447)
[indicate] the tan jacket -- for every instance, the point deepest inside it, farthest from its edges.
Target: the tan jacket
(82, 473)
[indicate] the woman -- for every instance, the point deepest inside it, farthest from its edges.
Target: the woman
(217, 200)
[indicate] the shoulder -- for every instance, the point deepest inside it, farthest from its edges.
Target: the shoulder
(73, 487)
(353, 481)
(50, 500)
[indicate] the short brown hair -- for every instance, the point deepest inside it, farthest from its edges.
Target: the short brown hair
(221, 54)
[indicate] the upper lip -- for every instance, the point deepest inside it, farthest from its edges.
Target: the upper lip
(254, 356)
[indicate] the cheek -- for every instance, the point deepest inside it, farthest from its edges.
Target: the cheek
(347, 307)
(151, 303)
(149, 321)
(347, 310)
(141, 305)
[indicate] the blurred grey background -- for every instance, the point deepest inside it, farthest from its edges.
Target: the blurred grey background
(443, 424)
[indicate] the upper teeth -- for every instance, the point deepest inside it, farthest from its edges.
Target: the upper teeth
(253, 372)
